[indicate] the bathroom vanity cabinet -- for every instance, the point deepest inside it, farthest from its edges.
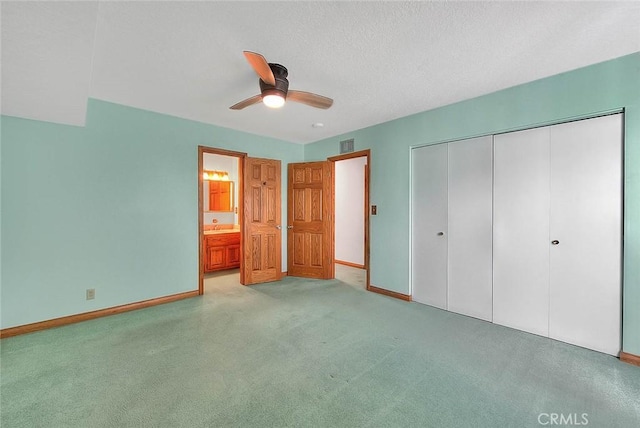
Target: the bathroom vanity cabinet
(222, 250)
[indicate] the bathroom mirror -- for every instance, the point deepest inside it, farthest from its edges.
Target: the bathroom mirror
(218, 195)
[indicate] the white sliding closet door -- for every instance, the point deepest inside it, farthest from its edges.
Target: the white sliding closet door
(586, 219)
(428, 225)
(469, 226)
(558, 232)
(521, 230)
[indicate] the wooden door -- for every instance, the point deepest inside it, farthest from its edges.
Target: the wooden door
(429, 225)
(310, 209)
(585, 240)
(262, 234)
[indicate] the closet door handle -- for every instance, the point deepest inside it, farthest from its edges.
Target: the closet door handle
(555, 242)
(440, 233)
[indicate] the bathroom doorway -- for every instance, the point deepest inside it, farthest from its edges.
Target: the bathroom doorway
(220, 199)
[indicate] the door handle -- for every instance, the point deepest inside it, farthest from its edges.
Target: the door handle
(440, 233)
(278, 227)
(289, 227)
(555, 242)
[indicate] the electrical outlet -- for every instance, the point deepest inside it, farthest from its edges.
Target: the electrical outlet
(91, 293)
(374, 210)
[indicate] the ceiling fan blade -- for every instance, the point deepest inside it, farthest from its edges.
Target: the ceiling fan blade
(246, 103)
(310, 99)
(261, 67)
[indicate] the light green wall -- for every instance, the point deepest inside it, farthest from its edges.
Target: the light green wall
(111, 206)
(601, 87)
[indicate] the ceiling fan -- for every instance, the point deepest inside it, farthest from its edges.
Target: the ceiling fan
(274, 87)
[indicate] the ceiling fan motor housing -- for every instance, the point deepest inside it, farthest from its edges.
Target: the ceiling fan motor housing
(281, 87)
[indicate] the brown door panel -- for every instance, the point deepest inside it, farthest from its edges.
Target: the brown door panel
(262, 221)
(310, 210)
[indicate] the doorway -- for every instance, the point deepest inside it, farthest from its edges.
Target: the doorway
(220, 205)
(351, 217)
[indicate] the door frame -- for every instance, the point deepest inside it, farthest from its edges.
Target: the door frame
(241, 157)
(367, 178)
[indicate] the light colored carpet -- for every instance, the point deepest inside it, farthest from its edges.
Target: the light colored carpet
(352, 276)
(304, 353)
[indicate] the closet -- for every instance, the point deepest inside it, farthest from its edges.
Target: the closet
(524, 229)
(451, 226)
(558, 232)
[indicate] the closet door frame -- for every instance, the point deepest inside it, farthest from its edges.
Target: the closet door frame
(547, 124)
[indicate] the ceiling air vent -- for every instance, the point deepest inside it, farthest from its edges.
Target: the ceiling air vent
(346, 146)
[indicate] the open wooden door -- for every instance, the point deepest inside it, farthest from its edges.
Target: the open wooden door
(262, 230)
(310, 245)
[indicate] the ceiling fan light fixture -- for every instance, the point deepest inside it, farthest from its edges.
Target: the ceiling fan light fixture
(273, 100)
(274, 87)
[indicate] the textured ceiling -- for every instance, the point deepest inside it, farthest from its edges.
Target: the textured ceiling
(377, 60)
